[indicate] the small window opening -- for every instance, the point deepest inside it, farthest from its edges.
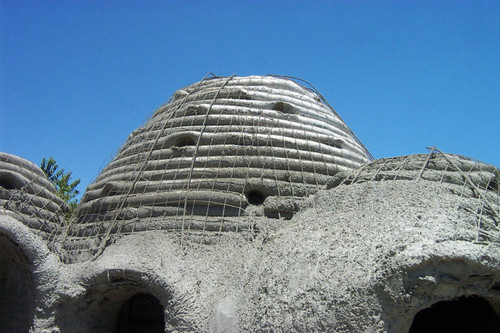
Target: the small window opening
(184, 141)
(8, 182)
(338, 143)
(464, 314)
(493, 185)
(285, 108)
(141, 313)
(255, 197)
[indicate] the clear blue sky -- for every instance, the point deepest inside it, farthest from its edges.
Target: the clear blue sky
(76, 77)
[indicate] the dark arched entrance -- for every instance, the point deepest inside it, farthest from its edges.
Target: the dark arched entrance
(140, 314)
(464, 314)
(16, 288)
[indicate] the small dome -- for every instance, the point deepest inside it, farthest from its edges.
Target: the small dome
(26, 194)
(222, 149)
(473, 181)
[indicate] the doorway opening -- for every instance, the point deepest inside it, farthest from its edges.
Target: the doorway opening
(463, 314)
(16, 288)
(141, 313)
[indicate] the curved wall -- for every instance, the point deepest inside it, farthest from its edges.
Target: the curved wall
(476, 183)
(17, 290)
(222, 148)
(26, 194)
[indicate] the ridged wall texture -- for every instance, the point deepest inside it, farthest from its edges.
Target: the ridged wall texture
(378, 247)
(26, 194)
(466, 178)
(222, 149)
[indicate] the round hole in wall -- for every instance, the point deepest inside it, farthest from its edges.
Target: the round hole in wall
(493, 185)
(185, 140)
(8, 181)
(285, 108)
(255, 197)
(464, 314)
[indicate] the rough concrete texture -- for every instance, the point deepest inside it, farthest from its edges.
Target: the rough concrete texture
(364, 256)
(217, 146)
(367, 257)
(366, 253)
(26, 193)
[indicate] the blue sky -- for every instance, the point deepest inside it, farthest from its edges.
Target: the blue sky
(76, 77)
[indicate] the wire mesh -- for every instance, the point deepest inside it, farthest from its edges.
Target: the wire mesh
(467, 178)
(222, 155)
(27, 195)
(229, 154)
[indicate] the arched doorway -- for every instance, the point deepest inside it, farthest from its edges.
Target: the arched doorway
(463, 314)
(142, 313)
(16, 288)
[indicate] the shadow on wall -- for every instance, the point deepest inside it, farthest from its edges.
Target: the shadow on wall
(118, 301)
(464, 314)
(141, 313)
(446, 295)
(16, 288)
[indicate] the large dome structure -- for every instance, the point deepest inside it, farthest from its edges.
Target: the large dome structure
(246, 204)
(222, 149)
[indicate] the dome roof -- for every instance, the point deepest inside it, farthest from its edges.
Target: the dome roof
(222, 149)
(472, 182)
(26, 194)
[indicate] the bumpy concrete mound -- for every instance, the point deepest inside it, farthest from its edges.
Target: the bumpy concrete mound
(327, 240)
(362, 256)
(368, 255)
(222, 148)
(26, 194)
(461, 176)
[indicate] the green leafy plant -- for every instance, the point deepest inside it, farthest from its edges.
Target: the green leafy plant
(65, 189)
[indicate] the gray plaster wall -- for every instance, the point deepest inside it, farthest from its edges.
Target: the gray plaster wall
(359, 256)
(29, 273)
(333, 242)
(367, 257)
(26, 194)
